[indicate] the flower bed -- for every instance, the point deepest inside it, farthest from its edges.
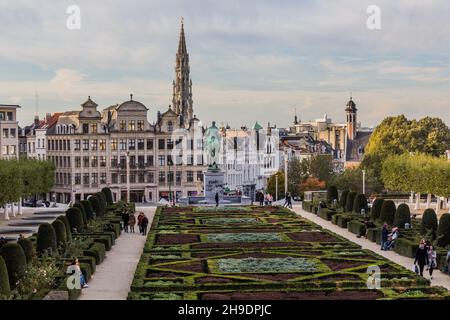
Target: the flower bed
(282, 256)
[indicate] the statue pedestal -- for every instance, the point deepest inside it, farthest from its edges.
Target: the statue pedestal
(213, 182)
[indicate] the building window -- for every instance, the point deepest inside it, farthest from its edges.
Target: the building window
(131, 125)
(94, 177)
(200, 159)
(140, 144)
(178, 178)
(102, 145)
(77, 178)
(103, 178)
(123, 178)
(85, 144)
(77, 162)
(141, 162)
(170, 177)
(169, 144)
(114, 162)
(150, 161)
(169, 126)
(77, 146)
(132, 144)
(94, 162)
(102, 161)
(86, 161)
(150, 177)
(179, 160)
(123, 144)
(2, 116)
(5, 133)
(199, 175)
(162, 177)
(190, 176)
(85, 128)
(162, 161)
(149, 144)
(86, 178)
(123, 162)
(132, 162)
(13, 133)
(93, 127)
(141, 177)
(161, 144)
(123, 125)
(140, 125)
(113, 144)
(114, 178)
(94, 145)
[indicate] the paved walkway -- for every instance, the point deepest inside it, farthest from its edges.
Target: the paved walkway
(112, 279)
(439, 278)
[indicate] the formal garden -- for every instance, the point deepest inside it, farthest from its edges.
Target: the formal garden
(350, 210)
(35, 267)
(261, 253)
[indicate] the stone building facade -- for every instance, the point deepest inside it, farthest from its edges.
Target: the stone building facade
(118, 147)
(9, 132)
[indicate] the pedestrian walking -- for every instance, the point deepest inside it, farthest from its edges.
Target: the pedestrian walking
(270, 199)
(125, 220)
(216, 197)
(421, 258)
(447, 260)
(286, 201)
(132, 222)
(432, 263)
(289, 197)
(139, 222)
(144, 225)
(384, 236)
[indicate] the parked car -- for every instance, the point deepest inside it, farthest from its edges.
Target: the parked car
(36, 203)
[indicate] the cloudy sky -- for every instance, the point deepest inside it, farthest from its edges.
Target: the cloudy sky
(250, 60)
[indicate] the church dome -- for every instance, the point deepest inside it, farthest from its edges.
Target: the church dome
(351, 106)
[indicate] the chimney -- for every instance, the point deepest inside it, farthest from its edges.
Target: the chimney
(36, 121)
(48, 116)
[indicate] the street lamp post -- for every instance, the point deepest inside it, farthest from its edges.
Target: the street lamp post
(276, 187)
(285, 172)
(364, 181)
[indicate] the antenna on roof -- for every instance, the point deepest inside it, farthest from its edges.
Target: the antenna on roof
(37, 103)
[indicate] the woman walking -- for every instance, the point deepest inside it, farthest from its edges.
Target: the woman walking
(421, 256)
(132, 222)
(431, 260)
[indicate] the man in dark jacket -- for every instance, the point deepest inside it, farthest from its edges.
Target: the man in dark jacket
(125, 219)
(144, 224)
(421, 257)
(384, 236)
(216, 197)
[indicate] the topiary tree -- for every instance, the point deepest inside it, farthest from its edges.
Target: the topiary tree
(102, 198)
(349, 202)
(343, 199)
(75, 219)
(5, 289)
(83, 212)
(429, 223)
(108, 194)
(402, 216)
(15, 261)
(60, 231)
(387, 213)
(28, 249)
(332, 194)
(443, 232)
(64, 220)
(46, 239)
(96, 206)
(376, 208)
(360, 203)
(88, 209)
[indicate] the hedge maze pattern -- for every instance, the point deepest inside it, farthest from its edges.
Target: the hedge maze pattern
(261, 253)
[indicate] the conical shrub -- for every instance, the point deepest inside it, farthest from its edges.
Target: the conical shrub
(88, 209)
(387, 213)
(46, 239)
(360, 203)
(64, 220)
(83, 213)
(332, 194)
(5, 289)
(343, 199)
(15, 261)
(349, 202)
(75, 219)
(443, 234)
(376, 208)
(108, 194)
(402, 216)
(429, 223)
(60, 231)
(95, 202)
(28, 249)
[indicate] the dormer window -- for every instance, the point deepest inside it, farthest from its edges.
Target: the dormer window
(123, 125)
(94, 127)
(85, 128)
(169, 126)
(131, 125)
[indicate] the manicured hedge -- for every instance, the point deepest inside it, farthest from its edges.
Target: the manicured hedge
(60, 231)
(15, 261)
(326, 214)
(376, 208)
(374, 235)
(387, 213)
(360, 203)
(5, 289)
(343, 220)
(406, 247)
(64, 220)
(402, 216)
(75, 218)
(97, 250)
(83, 213)
(335, 217)
(429, 223)
(343, 199)
(349, 202)
(332, 194)
(444, 230)
(108, 194)
(46, 239)
(356, 227)
(88, 209)
(28, 249)
(96, 206)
